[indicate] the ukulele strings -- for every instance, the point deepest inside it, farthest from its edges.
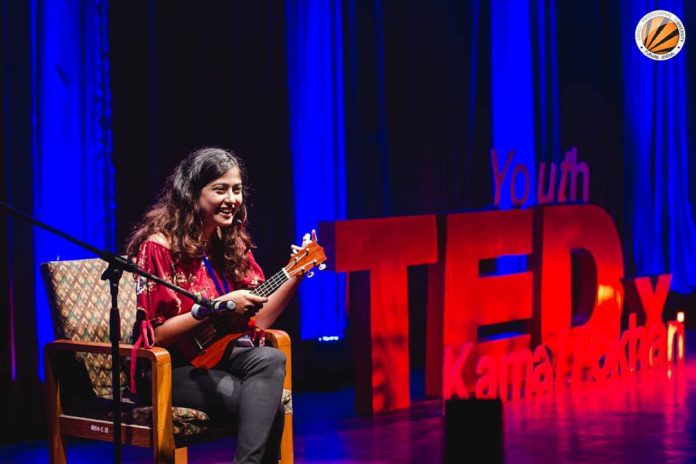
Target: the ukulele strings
(209, 332)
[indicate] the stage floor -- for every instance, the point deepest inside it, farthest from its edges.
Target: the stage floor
(647, 418)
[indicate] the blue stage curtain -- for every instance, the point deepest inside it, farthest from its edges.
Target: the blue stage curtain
(546, 81)
(656, 155)
(512, 93)
(317, 140)
(71, 146)
(525, 88)
(524, 99)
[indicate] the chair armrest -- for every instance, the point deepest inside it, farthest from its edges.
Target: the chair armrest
(157, 355)
(278, 338)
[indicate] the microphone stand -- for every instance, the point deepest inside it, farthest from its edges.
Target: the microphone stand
(117, 264)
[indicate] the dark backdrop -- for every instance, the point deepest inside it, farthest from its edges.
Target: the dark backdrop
(418, 117)
(189, 74)
(417, 112)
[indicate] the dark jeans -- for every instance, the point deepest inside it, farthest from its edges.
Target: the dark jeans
(247, 385)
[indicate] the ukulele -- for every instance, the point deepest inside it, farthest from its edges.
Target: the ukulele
(205, 345)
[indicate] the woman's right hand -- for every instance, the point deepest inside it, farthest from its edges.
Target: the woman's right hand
(247, 304)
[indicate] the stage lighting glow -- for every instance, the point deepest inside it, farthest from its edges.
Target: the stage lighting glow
(73, 176)
(317, 143)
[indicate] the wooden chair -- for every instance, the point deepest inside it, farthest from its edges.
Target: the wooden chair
(78, 372)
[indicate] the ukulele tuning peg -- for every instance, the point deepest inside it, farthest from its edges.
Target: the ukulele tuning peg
(310, 274)
(322, 266)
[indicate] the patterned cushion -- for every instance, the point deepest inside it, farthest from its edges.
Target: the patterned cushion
(186, 421)
(287, 401)
(80, 305)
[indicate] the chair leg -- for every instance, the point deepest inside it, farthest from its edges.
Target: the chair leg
(286, 451)
(167, 456)
(57, 449)
(56, 441)
(181, 456)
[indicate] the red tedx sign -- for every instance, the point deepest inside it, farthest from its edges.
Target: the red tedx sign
(565, 302)
(378, 306)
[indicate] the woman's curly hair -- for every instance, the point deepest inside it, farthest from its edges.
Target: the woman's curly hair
(176, 213)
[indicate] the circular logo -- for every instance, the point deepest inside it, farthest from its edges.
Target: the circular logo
(660, 35)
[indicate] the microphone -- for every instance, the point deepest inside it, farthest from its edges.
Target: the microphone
(207, 308)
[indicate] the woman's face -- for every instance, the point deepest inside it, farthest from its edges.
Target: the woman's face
(220, 200)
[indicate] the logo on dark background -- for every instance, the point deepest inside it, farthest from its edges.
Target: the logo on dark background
(660, 35)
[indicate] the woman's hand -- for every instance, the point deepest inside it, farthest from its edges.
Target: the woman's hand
(247, 304)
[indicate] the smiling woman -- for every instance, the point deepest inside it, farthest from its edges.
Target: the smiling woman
(196, 237)
(219, 202)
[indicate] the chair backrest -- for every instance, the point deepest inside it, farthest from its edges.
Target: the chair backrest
(80, 305)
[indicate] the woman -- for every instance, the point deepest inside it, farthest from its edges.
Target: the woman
(196, 237)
